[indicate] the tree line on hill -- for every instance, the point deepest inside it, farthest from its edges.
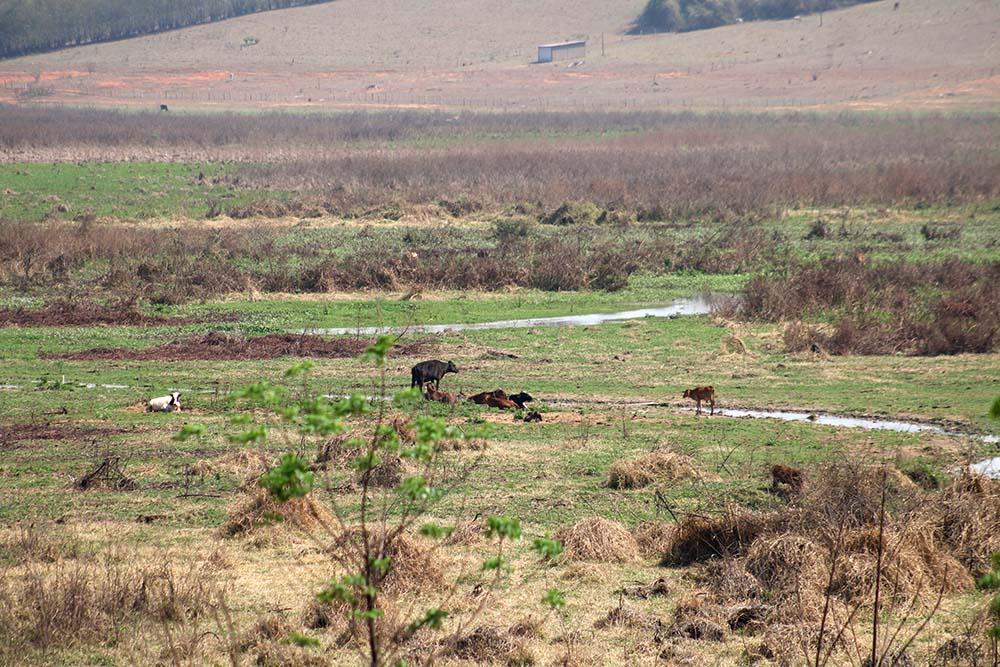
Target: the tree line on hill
(29, 26)
(682, 15)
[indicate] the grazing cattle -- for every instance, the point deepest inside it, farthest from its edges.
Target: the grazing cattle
(521, 398)
(501, 403)
(163, 107)
(699, 394)
(430, 371)
(171, 403)
(432, 394)
(480, 398)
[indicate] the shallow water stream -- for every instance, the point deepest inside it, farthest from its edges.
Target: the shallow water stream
(696, 305)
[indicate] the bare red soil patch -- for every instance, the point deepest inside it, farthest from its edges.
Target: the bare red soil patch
(217, 346)
(70, 314)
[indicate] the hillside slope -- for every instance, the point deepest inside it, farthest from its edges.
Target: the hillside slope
(44, 25)
(476, 54)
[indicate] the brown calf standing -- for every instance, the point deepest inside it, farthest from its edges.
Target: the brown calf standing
(432, 394)
(699, 394)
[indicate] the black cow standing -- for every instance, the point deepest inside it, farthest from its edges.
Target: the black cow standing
(430, 371)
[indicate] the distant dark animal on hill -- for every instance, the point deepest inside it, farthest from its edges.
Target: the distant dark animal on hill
(480, 398)
(501, 403)
(432, 394)
(699, 394)
(521, 398)
(430, 371)
(163, 107)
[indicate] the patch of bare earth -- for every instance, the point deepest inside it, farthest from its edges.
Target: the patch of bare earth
(12, 433)
(225, 347)
(83, 314)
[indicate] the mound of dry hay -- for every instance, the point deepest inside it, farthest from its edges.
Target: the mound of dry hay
(645, 470)
(699, 538)
(598, 540)
(489, 645)
(255, 509)
(413, 564)
(654, 537)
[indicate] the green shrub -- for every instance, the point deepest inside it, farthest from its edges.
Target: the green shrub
(505, 229)
(573, 213)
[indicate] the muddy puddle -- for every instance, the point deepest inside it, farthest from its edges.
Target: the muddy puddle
(696, 305)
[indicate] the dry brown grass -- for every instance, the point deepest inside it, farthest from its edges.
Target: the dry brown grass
(38, 543)
(966, 517)
(598, 540)
(94, 602)
(628, 616)
(656, 467)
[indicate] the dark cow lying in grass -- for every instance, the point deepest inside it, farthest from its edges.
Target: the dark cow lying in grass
(521, 398)
(699, 394)
(430, 371)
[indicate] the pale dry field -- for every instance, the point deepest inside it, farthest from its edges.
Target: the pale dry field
(928, 54)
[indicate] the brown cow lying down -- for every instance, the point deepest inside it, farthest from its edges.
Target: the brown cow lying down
(502, 403)
(480, 398)
(432, 394)
(700, 394)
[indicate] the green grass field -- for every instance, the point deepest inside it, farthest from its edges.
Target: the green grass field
(607, 393)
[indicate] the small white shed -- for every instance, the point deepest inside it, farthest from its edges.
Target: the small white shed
(562, 51)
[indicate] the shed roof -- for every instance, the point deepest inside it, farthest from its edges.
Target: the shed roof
(579, 42)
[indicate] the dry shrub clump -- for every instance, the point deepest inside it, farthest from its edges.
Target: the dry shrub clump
(776, 570)
(699, 538)
(256, 509)
(414, 564)
(966, 517)
(599, 540)
(920, 308)
(654, 467)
